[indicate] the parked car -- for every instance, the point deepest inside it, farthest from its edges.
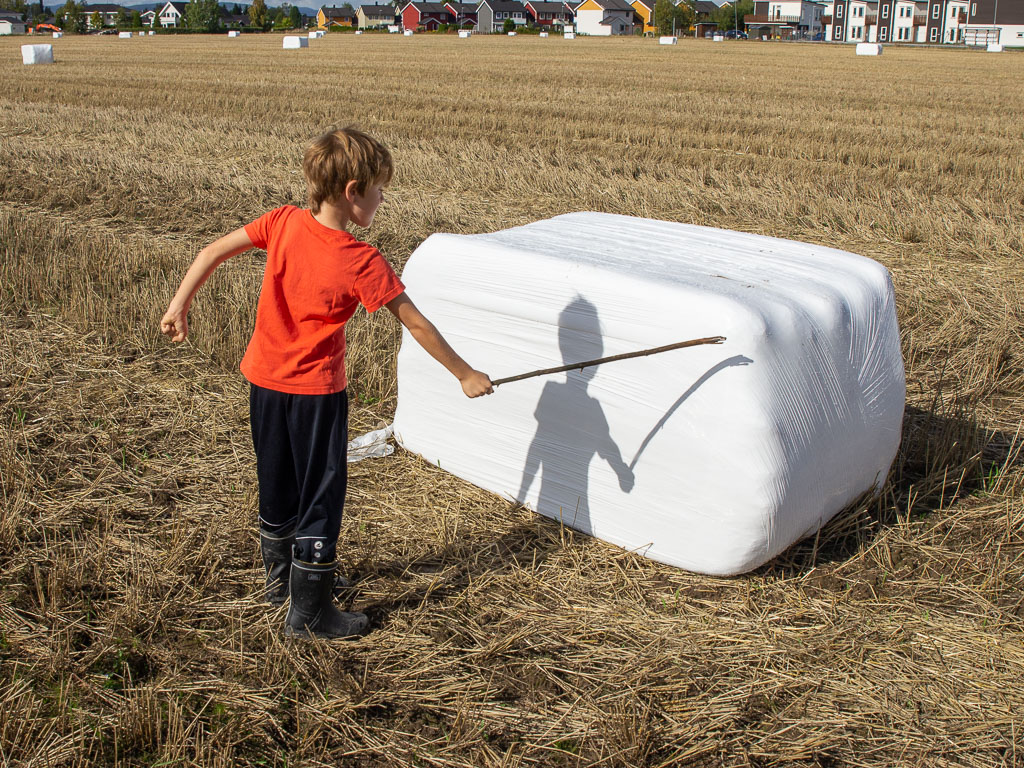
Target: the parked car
(819, 37)
(736, 34)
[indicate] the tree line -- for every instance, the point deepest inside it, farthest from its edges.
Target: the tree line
(200, 16)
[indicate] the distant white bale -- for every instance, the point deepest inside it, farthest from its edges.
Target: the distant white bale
(569, 35)
(312, 36)
(995, 48)
(543, 34)
(869, 49)
(233, 33)
(37, 54)
(152, 32)
(715, 458)
(124, 35)
(511, 34)
(294, 41)
(359, 31)
(668, 40)
(393, 29)
(464, 33)
(58, 34)
(408, 33)
(718, 38)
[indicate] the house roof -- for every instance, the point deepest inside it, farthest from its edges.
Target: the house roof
(337, 13)
(611, 5)
(504, 6)
(377, 10)
(177, 5)
(704, 6)
(461, 8)
(428, 7)
(103, 8)
(10, 16)
(547, 7)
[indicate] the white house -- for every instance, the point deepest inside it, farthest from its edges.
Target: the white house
(11, 24)
(604, 17)
(147, 18)
(173, 14)
(107, 12)
(786, 19)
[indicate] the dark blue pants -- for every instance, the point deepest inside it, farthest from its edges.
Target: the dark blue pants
(301, 444)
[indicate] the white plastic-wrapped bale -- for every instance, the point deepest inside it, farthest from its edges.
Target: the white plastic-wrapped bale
(359, 31)
(58, 35)
(994, 48)
(151, 33)
(294, 41)
(464, 33)
(233, 33)
(543, 34)
(124, 35)
(511, 34)
(408, 33)
(718, 38)
(37, 54)
(714, 458)
(569, 36)
(869, 49)
(668, 40)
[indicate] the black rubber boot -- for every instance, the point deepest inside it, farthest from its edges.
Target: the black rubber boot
(277, 561)
(312, 610)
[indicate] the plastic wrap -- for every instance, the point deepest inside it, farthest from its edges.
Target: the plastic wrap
(713, 458)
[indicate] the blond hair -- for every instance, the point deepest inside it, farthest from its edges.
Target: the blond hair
(340, 156)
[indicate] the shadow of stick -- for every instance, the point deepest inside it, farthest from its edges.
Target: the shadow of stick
(728, 363)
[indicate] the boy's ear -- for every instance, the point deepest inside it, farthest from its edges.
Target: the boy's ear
(351, 191)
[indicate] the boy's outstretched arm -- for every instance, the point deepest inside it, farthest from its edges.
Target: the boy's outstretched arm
(174, 323)
(474, 383)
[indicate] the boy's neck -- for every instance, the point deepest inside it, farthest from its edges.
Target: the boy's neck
(332, 216)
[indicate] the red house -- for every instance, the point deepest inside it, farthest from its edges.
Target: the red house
(428, 16)
(549, 14)
(464, 14)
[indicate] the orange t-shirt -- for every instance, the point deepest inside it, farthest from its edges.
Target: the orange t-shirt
(314, 280)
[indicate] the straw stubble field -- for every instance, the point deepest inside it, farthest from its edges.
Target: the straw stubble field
(131, 632)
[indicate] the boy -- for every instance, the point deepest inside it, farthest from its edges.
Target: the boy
(316, 275)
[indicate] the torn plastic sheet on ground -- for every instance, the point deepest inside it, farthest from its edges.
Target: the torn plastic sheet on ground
(372, 445)
(715, 458)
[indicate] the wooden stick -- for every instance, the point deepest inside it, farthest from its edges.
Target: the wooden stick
(612, 359)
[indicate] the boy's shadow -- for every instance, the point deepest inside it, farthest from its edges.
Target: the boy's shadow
(571, 428)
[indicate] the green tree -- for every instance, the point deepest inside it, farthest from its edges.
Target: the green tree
(156, 19)
(136, 19)
(121, 19)
(96, 20)
(664, 13)
(258, 14)
(203, 15)
(728, 17)
(508, 26)
(295, 17)
(669, 16)
(237, 10)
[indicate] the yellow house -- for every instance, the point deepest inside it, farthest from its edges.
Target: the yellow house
(645, 10)
(335, 17)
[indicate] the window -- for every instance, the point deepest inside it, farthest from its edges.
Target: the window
(974, 9)
(884, 35)
(935, 11)
(933, 35)
(839, 11)
(838, 33)
(952, 12)
(885, 11)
